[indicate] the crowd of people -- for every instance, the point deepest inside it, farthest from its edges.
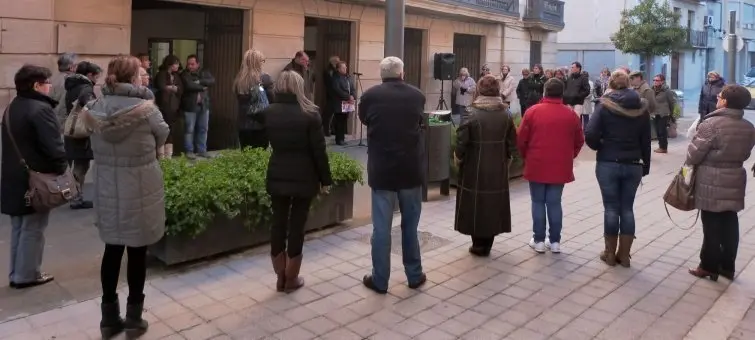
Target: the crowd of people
(133, 120)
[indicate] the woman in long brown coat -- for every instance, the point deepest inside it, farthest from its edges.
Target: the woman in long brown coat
(486, 143)
(169, 88)
(718, 151)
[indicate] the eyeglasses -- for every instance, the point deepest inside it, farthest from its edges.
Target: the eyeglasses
(657, 80)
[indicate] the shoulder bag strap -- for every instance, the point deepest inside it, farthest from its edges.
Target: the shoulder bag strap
(6, 117)
(697, 217)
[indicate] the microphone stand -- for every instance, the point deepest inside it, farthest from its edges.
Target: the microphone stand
(358, 75)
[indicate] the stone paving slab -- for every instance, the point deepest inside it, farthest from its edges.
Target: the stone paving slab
(514, 294)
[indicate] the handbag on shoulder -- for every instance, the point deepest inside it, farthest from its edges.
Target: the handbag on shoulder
(46, 191)
(74, 125)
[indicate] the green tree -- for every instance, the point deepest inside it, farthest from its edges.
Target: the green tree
(650, 29)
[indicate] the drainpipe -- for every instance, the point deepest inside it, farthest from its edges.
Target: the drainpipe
(394, 28)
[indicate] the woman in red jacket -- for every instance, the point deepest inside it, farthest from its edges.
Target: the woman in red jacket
(549, 139)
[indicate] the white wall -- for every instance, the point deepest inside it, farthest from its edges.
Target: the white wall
(164, 24)
(590, 21)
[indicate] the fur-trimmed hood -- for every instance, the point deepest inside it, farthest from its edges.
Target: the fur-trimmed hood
(121, 109)
(75, 80)
(625, 102)
(488, 103)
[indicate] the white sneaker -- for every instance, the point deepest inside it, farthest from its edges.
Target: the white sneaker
(555, 247)
(539, 247)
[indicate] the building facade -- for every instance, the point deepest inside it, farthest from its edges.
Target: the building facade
(514, 32)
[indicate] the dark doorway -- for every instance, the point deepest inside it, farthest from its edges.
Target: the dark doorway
(413, 56)
(325, 38)
(467, 50)
(675, 70)
(536, 53)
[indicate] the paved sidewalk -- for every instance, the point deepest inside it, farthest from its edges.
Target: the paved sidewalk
(514, 294)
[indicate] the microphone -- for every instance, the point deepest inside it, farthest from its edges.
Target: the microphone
(357, 74)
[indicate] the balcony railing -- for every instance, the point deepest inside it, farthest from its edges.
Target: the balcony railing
(504, 7)
(548, 13)
(697, 39)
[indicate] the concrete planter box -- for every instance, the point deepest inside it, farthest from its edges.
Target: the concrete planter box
(226, 235)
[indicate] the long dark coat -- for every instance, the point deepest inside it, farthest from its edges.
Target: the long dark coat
(485, 145)
(709, 96)
(80, 89)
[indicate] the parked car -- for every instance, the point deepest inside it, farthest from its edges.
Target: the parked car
(749, 83)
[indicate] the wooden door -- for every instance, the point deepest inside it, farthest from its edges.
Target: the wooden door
(413, 56)
(467, 51)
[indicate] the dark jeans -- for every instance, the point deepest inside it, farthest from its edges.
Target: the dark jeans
(585, 120)
(661, 130)
(618, 187)
(720, 240)
(524, 108)
(340, 120)
(289, 217)
(195, 130)
(253, 138)
(327, 120)
(136, 272)
(546, 201)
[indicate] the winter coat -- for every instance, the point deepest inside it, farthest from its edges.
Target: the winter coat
(469, 86)
(79, 89)
(534, 89)
(308, 75)
(722, 144)
(485, 146)
(342, 87)
(245, 121)
(507, 88)
(36, 131)
(58, 94)
(549, 138)
(195, 92)
(299, 163)
(394, 115)
(709, 96)
(665, 101)
(169, 102)
(327, 82)
(648, 97)
(577, 89)
(619, 129)
(129, 198)
(521, 91)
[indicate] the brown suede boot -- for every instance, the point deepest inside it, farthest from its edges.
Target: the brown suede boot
(625, 246)
(293, 281)
(609, 254)
(279, 267)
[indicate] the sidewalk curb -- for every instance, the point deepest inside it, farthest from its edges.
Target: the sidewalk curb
(725, 315)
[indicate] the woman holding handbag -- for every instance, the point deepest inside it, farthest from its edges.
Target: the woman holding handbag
(721, 145)
(254, 92)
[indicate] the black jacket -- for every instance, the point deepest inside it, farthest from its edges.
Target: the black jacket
(36, 131)
(534, 89)
(619, 129)
(195, 83)
(78, 89)
(245, 121)
(521, 91)
(577, 89)
(299, 163)
(393, 113)
(342, 88)
(709, 96)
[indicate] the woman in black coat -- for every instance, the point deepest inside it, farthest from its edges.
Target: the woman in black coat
(709, 94)
(254, 92)
(297, 172)
(80, 88)
(343, 90)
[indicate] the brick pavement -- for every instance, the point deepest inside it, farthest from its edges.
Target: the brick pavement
(514, 294)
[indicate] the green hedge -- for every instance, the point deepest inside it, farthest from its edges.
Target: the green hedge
(196, 191)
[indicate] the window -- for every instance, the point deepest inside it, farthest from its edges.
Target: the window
(536, 53)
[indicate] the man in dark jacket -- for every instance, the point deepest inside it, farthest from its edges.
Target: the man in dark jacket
(31, 138)
(300, 64)
(80, 89)
(343, 91)
(393, 114)
(195, 103)
(522, 91)
(577, 88)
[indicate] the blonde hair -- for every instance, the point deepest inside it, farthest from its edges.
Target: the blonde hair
(250, 72)
(464, 71)
(714, 73)
(292, 83)
(619, 80)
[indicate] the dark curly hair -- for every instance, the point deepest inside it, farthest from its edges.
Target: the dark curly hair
(736, 96)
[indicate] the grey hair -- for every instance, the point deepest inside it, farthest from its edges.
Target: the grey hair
(391, 67)
(464, 71)
(66, 61)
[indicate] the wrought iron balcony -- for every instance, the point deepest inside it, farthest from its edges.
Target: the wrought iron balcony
(546, 14)
(504, 7)
(697, 39)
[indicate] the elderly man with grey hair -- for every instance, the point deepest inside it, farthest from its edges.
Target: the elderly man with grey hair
(393, 113)
(66, 66)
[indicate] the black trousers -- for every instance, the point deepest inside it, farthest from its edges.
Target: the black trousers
(340, 121)
(524, 108)
(327, 120)
(720, 240)
(483, 243)
(253, 138)
(136, 272)
(661, 130)
(289, 217)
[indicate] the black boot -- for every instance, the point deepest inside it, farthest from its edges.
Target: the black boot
(134, 325)
(111, 324)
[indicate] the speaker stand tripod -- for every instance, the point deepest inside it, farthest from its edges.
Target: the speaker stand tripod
(442, 106)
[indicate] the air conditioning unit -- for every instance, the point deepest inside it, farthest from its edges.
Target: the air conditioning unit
(707, 21)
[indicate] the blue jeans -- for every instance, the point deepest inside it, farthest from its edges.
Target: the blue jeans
(585, 120)
(546, 200)
(195, 130)
(410, 203)
(618, 186)
(27, 245)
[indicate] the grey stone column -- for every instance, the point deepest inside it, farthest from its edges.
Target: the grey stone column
(394, 28)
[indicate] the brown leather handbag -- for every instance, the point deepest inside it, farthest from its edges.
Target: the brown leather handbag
(46, 191)
(681, 195)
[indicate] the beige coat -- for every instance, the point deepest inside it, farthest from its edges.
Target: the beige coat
(508, 87)
(722, 144)
(648, 96)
